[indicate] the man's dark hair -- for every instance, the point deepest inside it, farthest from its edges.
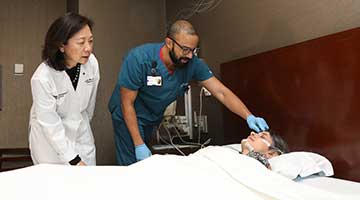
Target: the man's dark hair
(278, 142)
(60, 31)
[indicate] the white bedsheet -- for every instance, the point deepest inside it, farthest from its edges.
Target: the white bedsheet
(211, 173)
(339, 186)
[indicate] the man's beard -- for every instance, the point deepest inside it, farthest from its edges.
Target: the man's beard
(177, 61)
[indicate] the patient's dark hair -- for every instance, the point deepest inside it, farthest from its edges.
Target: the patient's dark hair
(278, 141)
(60, 31)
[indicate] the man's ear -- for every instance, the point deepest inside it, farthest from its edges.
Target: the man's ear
(168, 43)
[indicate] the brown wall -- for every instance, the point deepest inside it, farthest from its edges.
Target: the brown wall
(119, 26)
(238, 28)
(23, 25)
(311, 96)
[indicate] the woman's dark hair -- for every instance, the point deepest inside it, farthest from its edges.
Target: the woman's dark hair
(60, 31)
(278, 142)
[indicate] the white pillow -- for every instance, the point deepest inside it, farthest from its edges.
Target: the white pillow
(301, 164)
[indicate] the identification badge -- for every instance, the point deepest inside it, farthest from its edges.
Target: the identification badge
(154, 81)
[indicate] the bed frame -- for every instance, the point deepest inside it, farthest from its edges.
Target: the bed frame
(14, 158)
(309, 93)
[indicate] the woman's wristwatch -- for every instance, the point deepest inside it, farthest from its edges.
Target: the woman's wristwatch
(75, 161)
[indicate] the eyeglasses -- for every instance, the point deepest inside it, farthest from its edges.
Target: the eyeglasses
(186, 50)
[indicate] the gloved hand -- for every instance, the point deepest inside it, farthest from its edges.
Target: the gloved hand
(142, 152)
(258, 124)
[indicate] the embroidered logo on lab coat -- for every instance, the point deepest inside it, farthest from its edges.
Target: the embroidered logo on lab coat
(89, 80)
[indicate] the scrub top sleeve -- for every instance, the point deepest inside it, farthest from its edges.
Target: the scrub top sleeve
(91, 106)
(49, 120)
(131, 75)
(201, 70)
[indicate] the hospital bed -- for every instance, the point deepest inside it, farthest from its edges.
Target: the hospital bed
(210, 173)
(335, 185)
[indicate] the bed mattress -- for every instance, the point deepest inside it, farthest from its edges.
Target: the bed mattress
(334, 185)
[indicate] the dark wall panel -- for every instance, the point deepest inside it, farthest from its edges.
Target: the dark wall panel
(0, 88)
(72, 6)
(308, 92)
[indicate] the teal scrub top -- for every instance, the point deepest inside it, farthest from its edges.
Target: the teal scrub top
(151, 101)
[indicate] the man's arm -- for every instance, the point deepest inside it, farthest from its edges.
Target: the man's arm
(226, 97)
(234, 104)
(127, 106)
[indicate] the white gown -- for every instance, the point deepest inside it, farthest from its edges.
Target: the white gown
(60, 116)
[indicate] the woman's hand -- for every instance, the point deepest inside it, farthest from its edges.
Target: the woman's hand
(81, 163)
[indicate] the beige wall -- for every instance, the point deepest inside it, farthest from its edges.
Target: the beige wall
(23, 25)
(238, 28)
(119, 26)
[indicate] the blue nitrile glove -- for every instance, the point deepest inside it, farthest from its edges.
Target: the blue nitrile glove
(258, 124)
(142, 152)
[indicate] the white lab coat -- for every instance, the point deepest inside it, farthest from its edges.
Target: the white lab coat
(60, 116)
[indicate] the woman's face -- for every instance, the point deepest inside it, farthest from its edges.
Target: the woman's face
(259, 141)
(78, 47)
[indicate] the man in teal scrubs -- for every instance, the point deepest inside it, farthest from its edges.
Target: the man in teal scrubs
(154, 75)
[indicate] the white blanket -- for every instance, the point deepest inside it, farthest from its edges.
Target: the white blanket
(211, 173)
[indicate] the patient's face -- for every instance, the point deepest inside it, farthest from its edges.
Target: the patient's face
(259, 141)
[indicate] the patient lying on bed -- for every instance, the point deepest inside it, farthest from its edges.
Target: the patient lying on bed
(263, 146)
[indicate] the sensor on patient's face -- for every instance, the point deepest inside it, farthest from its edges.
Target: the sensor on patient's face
(271, 147)
(265, 142)
(248, 145)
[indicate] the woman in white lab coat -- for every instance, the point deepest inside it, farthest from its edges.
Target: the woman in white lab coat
(64, 92)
